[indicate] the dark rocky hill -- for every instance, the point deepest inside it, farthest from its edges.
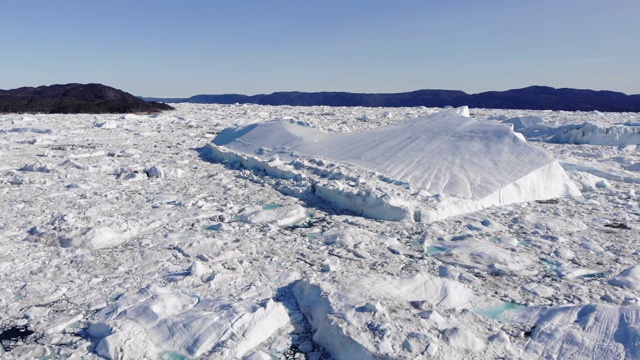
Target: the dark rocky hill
(532, 98)
(73, 99)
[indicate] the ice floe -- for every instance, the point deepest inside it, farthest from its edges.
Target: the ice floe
(155, 319)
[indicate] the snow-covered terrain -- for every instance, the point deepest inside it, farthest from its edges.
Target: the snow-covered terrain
(133, 236)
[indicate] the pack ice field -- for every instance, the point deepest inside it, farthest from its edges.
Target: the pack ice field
(279, 232)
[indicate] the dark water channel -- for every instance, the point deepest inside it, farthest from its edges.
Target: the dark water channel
(14, 336)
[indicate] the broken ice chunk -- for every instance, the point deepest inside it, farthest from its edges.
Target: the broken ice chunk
(156, 319)
(629, 278)
(281, 216)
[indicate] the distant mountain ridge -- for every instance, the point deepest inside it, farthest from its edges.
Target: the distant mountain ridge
(74, 98)
(531, 98)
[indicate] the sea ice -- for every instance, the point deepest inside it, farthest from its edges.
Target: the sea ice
(93, 265)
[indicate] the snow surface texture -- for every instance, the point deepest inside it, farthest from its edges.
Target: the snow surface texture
(121, 239)
(454, 163)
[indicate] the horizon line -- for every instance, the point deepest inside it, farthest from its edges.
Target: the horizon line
(383, 93)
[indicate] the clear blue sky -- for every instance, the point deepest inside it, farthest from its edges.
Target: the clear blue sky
(179, 48)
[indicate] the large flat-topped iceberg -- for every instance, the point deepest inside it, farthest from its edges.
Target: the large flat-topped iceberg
(429, 167)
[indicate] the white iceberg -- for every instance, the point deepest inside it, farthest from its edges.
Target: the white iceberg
(156, 319)
(599, 134)
(426, 168)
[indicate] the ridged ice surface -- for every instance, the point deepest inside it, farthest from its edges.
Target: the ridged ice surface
(443, 153)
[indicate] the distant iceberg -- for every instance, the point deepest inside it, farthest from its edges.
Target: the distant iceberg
(599, 134)
(423, 169)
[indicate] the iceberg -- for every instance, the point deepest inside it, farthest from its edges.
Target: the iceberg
(427, 168)
(599, 134)
(156, 319)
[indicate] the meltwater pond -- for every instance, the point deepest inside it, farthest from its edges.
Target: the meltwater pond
(433, 250)
(172, 355)
(271, 206)
(501, 311)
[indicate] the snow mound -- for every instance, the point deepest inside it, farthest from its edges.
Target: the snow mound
(597, 134)
(155, 320)
(426, 168)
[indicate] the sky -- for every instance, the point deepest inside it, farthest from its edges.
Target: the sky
(173, 48)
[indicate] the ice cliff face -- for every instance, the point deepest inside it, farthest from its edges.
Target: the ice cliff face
(600, 134)
(425, 168)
